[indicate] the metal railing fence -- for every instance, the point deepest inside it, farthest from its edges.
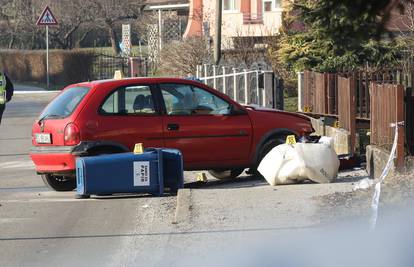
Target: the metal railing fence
(248, 87)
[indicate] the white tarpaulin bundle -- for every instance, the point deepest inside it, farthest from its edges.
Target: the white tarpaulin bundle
(288, 164)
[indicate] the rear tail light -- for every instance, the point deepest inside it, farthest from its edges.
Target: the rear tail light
(72, 135)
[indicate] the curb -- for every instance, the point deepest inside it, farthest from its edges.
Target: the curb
(183, 208)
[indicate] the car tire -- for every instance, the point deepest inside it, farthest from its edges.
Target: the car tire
(269, 145)
(59, 182)
(226, 174)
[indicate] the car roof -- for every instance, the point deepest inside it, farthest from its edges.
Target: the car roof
(150, 80)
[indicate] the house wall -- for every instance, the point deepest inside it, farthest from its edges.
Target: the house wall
(247, 20)
(194, 26)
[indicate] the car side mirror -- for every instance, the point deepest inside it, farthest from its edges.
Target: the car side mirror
(234, 110)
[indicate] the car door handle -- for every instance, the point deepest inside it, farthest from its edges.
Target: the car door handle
(173, 127)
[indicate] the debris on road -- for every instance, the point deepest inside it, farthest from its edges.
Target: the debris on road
(202, 177)
(364, 184)
(288, 164)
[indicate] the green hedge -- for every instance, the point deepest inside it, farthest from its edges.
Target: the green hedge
(65, 67)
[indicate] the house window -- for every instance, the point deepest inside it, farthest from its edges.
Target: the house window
(271, 5)
(229, 5)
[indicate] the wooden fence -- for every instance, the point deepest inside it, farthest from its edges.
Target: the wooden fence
(347, 107)
(321, 90)
(387, 107)
(352, 97)
(328, 94)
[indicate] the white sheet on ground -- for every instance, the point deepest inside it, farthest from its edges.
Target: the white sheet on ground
(287, 164)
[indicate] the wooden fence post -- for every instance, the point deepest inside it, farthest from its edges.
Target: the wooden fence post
(301, 90)
(347, 108)
(372, 111)
(399, 113)
(306, 90)
(352, 112)
(325, 92)
(331, 93)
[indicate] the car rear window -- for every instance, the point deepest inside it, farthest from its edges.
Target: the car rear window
(65, 103)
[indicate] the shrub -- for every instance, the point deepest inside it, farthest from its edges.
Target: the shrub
(65, 67)
(181, 58)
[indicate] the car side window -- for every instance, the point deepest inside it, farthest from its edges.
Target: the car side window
(130, 100)
(183, 99)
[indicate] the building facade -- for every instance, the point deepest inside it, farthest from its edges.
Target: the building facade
(240, 18)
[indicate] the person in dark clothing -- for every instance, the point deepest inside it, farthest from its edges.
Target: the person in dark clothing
(6, 92)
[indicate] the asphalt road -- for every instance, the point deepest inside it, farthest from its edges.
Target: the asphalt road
(210, 224)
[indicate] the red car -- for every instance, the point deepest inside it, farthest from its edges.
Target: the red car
(212, 131)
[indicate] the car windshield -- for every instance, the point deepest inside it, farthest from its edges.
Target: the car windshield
(65, 103)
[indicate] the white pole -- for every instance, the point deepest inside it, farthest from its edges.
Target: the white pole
(197, 72)
(246, 93)
(264, 90)
(47, 56)
(160, 28)
(235, 86)
(215, 78)
(257, 88)
(224, 81)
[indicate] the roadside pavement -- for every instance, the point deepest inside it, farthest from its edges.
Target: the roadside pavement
(41, 227)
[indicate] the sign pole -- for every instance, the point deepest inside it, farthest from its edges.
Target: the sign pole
(47, 56)
(47, 18)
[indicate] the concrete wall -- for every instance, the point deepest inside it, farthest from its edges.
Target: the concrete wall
(342, 138)
(377, 158)
(233, 25)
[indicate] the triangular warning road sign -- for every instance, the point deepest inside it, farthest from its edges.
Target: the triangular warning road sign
(47, 18)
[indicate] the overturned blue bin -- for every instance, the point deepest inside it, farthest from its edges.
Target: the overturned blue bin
(129, 173)
(172, 165)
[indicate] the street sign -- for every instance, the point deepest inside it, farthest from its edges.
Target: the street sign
(126, 39)
(47, 18)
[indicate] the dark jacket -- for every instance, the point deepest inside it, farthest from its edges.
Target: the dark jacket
(9, 89)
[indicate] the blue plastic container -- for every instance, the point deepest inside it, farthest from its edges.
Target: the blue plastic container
(172, 163)
(120, 173)
(149, 172)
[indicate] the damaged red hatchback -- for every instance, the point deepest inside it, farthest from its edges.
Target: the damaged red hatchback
(212, 131)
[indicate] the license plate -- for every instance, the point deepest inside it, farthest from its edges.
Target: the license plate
(43, 138)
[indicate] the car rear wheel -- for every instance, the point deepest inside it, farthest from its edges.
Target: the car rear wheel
(226, 174)
(59, 182)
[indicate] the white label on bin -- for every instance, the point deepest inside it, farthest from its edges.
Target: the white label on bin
(141, 173)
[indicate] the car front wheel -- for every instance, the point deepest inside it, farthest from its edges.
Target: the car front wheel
(226, 174)
(59, 182)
